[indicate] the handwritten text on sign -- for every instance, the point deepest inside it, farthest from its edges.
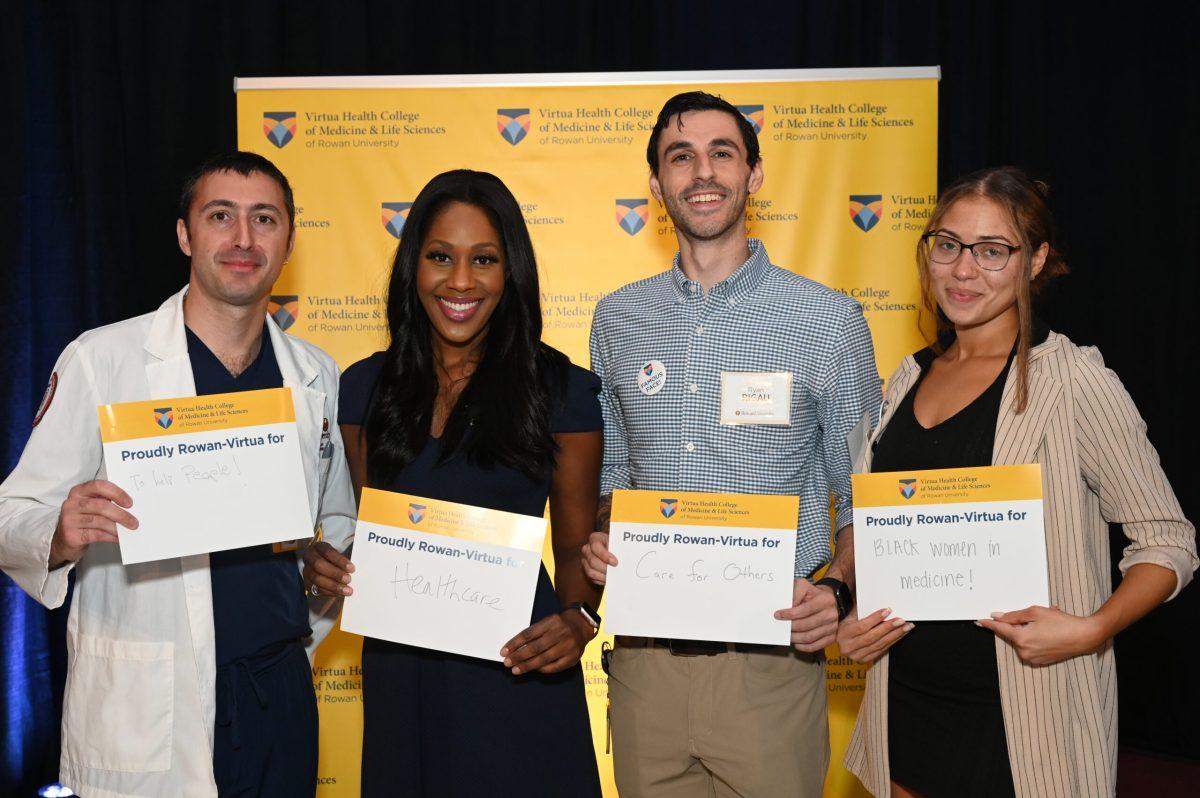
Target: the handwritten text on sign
(440, 575)
(207, 473)
(953, 544)
(701, 566)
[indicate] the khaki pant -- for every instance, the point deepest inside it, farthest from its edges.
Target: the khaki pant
(734, 724)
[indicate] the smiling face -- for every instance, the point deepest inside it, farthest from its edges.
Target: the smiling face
(972, 297)
(460, 274)
(703, 177)
(238, 237)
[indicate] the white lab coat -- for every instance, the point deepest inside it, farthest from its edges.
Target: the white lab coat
(138, 712)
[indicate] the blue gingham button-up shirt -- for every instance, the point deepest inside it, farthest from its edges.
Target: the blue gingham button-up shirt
(759, 319)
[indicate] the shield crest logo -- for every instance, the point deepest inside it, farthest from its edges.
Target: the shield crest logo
(513, 124)
(667, 507)
(754, 115)
(393, 216)
(279, 127)
(164, 416)
(283, 308)
(865, 210)
(416, 512)
(632, 215)
(908, 488)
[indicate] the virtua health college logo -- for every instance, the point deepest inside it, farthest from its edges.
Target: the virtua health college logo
(667, 507)
(164, 417)
(632, 214)
(279, 127)
(284, 308)
(865, 210)
(908, 488)
(416, 512)
(513, 124)
(754, 115)
(393, 215)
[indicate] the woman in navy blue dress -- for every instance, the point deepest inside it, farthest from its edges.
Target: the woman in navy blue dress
(467, 405)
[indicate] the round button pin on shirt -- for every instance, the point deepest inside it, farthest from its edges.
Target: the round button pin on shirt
(651, 377)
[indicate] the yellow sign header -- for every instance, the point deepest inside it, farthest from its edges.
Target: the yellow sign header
(460, 521)
(948, 486)
(705, 509)
(158, 417)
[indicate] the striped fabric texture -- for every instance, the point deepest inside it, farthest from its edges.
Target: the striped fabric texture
(660, 347)
(1097, 467)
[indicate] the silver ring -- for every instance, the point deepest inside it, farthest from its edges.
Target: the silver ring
(314, 591)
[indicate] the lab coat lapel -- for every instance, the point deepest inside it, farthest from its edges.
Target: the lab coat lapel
(169, 374)
(299, 374)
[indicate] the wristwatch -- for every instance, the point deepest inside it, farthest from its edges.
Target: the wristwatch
(841, 595)
(592, 616)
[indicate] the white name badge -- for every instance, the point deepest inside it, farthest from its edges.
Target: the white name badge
(756, 397)
(207, 473)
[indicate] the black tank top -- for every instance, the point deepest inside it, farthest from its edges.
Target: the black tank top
(945, 728)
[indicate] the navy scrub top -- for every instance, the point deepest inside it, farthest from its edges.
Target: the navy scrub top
(258, 596)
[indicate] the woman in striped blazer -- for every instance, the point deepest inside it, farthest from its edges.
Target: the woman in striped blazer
(1023, 703)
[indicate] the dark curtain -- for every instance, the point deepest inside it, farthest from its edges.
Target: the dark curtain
(108, 104)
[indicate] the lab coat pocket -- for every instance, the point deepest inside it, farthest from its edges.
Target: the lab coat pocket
(119, 704)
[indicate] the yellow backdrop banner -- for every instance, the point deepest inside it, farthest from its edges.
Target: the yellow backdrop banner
(850, 160)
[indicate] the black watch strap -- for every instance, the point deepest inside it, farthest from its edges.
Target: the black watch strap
(841, 595)
(589, 613)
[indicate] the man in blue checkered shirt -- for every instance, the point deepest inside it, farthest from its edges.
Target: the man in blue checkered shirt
(711, 717)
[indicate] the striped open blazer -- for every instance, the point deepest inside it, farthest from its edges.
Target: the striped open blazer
(1097, 466)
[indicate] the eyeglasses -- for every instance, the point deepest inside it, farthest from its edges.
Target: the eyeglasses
(990, 255)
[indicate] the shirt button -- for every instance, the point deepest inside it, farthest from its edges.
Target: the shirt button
(693, 387)
(732, 301)
(691, 447)
(699, 329)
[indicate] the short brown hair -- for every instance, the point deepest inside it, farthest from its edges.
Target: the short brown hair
(680, 104)
(244, 164)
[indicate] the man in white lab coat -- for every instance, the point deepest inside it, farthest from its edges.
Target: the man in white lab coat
(188, 676)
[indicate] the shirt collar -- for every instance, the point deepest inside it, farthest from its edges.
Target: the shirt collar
(736, 287)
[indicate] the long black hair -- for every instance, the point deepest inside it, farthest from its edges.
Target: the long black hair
(502, 416)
